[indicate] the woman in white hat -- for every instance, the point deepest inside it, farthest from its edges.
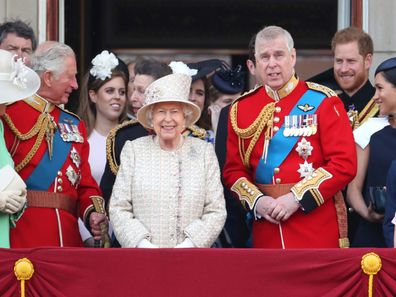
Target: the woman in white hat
(16, 83)
(168, 191)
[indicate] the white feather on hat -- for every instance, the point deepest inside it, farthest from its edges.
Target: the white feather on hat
(174, 87)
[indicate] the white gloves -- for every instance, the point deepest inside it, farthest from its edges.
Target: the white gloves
(12, 201)
(144, 243)
(186, 243)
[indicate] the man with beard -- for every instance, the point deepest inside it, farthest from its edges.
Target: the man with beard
(349, 78)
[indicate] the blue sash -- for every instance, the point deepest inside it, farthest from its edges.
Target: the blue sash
(46, 171)
(280, 146)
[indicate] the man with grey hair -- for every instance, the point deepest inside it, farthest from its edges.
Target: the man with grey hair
(50, 150)
(284, 160)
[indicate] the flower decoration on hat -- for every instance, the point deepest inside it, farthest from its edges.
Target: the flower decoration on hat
(181, 68)
(152, 95)
(18, 73)
(229, 81)
(103, 64)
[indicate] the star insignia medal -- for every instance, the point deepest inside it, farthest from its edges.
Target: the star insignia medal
(73, 176)
(306, 169)
(75, 156)
(304, 148)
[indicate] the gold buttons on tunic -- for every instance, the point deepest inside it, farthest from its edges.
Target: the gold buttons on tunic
(276, 170)
(278, 109)
(59, 180)
(59, 173)
(278, 180)
(276, 119)
(276, 128)
(59, 188)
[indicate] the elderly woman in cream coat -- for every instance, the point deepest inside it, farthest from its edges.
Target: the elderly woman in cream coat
(168, 191)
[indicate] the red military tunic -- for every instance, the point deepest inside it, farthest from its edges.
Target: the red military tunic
(333, 159)
(42, 226)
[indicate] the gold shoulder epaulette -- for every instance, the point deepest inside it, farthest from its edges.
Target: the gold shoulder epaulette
(320, 88)
(69, 112)
(370, 110)
(197, 131)
(251, 91)
(110, 144)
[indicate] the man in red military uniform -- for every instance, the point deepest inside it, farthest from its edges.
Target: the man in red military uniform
(285, 158)
(50, 150)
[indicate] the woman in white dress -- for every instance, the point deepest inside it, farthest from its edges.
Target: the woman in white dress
(102, 107)
(168, 191)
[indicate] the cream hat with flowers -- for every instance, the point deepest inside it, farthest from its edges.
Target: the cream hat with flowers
(174, 87)
(17, 81)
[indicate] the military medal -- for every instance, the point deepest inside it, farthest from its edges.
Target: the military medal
(306, 169)
(75, 156)
(77, 135)
(314, 126)
(62, 131)
(293, 129)
(304, 148)
(73, 176)
(286, 131)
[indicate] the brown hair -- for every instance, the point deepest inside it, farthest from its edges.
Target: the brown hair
(350, 34)
(87, 108)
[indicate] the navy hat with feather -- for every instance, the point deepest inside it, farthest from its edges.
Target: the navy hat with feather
(205, 67)
(229, 81)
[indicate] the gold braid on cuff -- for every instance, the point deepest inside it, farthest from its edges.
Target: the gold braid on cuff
(246, 191)
(307, 190)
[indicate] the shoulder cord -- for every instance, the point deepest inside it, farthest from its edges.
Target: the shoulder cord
(265, 118)
(38, 129)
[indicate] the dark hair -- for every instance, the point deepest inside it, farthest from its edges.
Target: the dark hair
(86, 108)
(388, 69)
(252, 50)
(21, 29)
(152, 68)
(350, 34)
(204, 120)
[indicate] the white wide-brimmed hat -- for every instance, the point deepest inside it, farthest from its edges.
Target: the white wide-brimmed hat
(170, 88)
(17, 81)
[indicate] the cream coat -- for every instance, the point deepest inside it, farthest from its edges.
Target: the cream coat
(167, 196)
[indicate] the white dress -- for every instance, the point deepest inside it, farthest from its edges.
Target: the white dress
(167, 197)
(97, 154)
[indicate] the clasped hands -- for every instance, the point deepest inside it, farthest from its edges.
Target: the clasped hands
(277, 210)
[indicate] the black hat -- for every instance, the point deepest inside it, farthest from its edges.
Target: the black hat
(229, 81)
(386, 65)
(205, 67)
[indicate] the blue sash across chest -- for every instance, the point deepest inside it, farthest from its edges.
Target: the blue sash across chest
(46, 171)
(280, 146)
